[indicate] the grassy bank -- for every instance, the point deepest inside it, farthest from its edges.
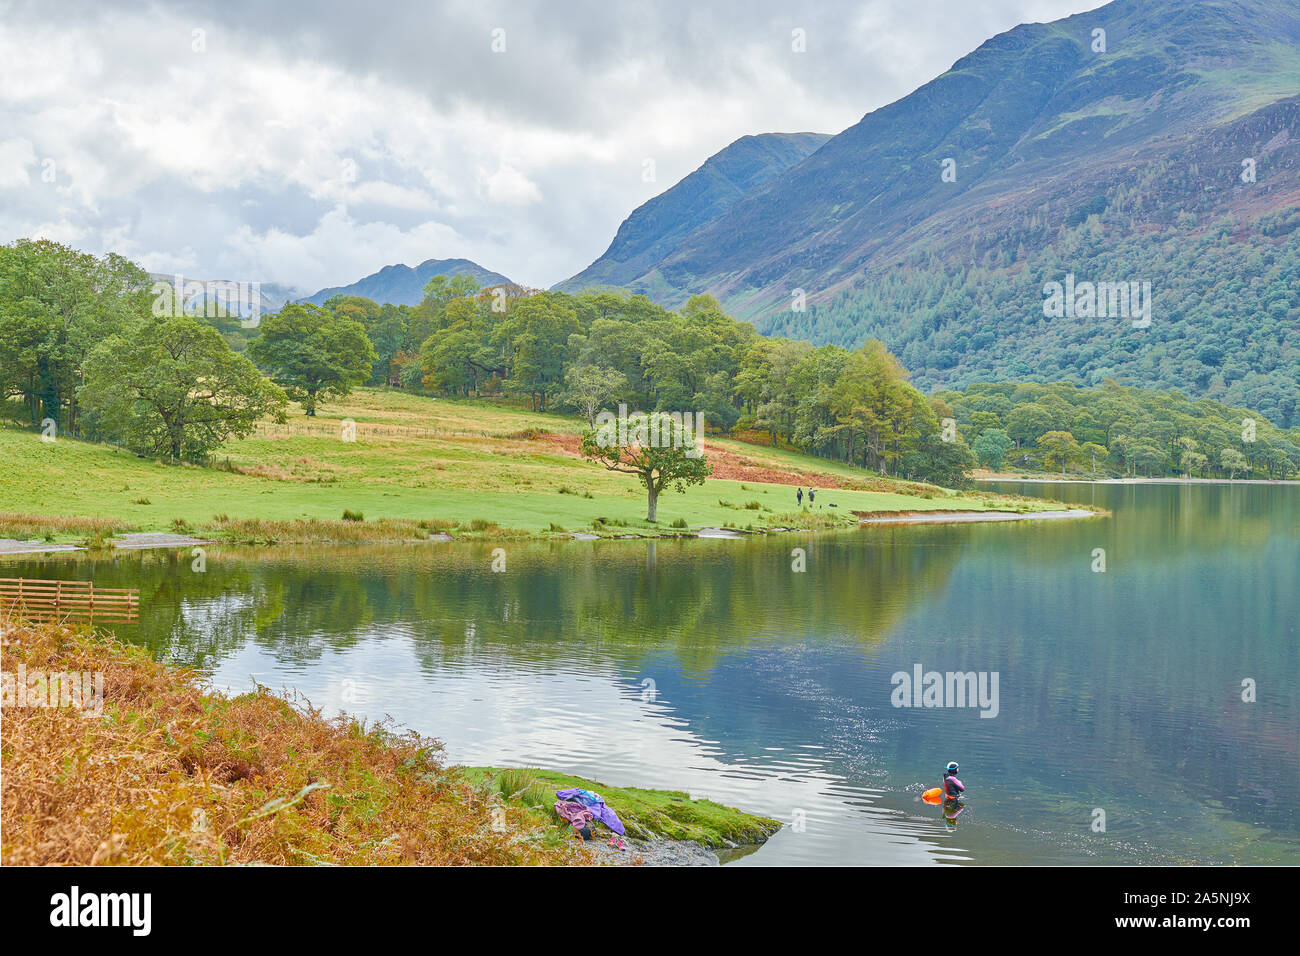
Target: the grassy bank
(421, 465)
(164, 771)
(171, 774)
(647, 814)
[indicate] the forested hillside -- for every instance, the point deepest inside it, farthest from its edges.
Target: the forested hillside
(1224, 321)
(1149, 142)
(1116, 430)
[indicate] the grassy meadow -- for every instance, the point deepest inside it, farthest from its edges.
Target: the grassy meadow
(421, 464)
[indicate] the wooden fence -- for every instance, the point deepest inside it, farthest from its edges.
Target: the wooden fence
(71, 600)
(336, 430)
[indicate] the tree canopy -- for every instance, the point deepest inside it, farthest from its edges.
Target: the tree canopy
(1120, 430)
(172, 386)
(592, 351)
(665, 455)
(314, 354)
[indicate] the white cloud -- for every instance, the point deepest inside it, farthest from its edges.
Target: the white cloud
(313, 156)
(387, 194)
(508, 185)
(15, 156)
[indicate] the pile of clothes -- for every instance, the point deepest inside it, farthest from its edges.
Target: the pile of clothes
(582, 808)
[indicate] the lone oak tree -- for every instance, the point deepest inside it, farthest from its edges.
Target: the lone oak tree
(675, 464)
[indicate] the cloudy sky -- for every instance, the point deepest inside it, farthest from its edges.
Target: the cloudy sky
(312, 144)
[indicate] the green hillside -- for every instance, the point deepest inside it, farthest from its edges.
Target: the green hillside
(1158, 151)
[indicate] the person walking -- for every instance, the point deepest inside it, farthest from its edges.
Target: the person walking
(811, 495)
(798, 494)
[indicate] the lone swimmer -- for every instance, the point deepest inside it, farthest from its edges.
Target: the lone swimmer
(952, 787)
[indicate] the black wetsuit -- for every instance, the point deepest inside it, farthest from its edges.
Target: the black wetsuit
(952, 787)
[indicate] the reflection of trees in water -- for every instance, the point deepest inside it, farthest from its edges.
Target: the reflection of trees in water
(1163, 523)
(199, 618)
(185, 616)
(609, 600)
(623, 601)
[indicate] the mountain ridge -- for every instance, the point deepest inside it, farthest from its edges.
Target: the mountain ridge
(401, 284)
(653, 228)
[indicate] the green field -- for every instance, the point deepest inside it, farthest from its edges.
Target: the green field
(431, 460)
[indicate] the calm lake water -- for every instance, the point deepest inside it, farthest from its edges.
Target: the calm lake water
(711, 666)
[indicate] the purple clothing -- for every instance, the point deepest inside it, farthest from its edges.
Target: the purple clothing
(952, 787)
(596, 804)
(575, 813)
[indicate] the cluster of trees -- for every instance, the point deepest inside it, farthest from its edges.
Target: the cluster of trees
(88, 344)
(600, 349)
(1119, 430)
(81, 347)
(396, 332)
(1225, 320)
(56, 306)
(84, 341)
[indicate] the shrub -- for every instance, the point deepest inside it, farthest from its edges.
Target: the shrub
(527, 434)
(98, 541)
(524, 787)
(349, 515)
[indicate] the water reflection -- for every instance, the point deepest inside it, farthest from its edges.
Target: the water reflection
(712, 667)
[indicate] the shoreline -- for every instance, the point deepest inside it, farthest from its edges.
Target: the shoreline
(664, 827)
(158, 540)
(1144, 481)
(134, 541)
(974, 517)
